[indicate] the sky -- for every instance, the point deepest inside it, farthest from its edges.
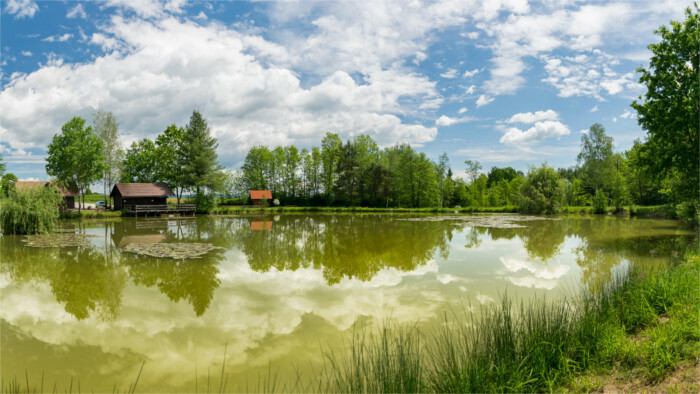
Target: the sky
(504, 82)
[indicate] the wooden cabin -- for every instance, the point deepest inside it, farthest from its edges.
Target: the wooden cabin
(130, 194)
(68, 194)
(258, 196)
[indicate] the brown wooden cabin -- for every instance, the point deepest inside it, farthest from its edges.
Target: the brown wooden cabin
(257, 196)
(69, 194)
(130, 194)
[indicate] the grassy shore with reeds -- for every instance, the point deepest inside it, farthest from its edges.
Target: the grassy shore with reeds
(234, 210)
(640, 328)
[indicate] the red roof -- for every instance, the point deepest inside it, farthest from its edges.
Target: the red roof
(260, 194)
(143, 189)
(30, 184)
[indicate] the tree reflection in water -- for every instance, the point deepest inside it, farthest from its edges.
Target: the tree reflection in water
(343, 246)
(193, 280)
(80, 277)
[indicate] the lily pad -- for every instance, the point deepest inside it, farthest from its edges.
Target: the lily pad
(493, 221)
(170, 250)
(56, 240)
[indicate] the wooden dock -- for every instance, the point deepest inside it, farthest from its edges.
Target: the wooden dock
(146, 210)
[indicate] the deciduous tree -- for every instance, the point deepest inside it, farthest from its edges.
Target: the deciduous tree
(75, 156)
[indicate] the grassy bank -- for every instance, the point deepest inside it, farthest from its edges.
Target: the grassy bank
(640, 327)
(91, 213)
(250, 209)
(652, 211)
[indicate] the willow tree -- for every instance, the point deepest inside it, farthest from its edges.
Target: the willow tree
(75, 156)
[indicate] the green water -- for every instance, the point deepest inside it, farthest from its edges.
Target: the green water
(277, 290)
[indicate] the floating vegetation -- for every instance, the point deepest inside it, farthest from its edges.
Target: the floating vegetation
(56, 240)
(493, 221)
(171, 250)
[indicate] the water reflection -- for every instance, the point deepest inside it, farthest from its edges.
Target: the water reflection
(81, 278)
(345, 246)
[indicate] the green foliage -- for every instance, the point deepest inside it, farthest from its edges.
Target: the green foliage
(689, 212)
(30, 211)
(619, 194)
(206, 202)
(669, 109)
(596, 158)
(502, 174)
(140, 162)
(199, 161)
(169, 159)
(3, 167)
(7, 184)
(106, 127)
(600, 202)
(75, 156)
(541, 192)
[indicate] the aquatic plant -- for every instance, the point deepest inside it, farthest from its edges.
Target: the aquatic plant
(170, 250)
(62, 239)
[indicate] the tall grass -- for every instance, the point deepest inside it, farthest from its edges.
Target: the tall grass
(536, 346)
(30, 211)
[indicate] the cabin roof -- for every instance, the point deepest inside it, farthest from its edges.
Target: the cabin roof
(159, 189)
(66, 192)
(260, 194)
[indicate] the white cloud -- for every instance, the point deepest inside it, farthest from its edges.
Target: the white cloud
(529, 117)
(628, 114)
(470, 73)
(537, 133)
(58, 38)
(420, 56)
(156, 72)
(462, 110)
(449, 74)
(142, 8)
(447, 121)
(594, 109)
(26, 53)
(201, 16)
(471, 89)
(77, 12)
(21, 8)
(483, 100)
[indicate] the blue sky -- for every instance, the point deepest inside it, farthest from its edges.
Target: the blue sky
(504, 82)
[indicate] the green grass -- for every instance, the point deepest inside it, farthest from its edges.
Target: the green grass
(91, 214)
(250, 209)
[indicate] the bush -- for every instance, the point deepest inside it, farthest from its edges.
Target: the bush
(541, 192)
(31, 211)
(600, 202)
(205, 202)
(688, 212)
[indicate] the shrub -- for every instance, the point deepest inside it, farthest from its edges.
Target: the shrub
(31, 211)
(600, 202)
(205, 202)
(688, 212)
(541, 192)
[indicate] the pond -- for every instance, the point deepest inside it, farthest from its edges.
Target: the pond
(268, 293)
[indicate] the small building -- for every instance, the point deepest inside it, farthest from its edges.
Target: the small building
(130, 194)
(68, 194)
(259, 196)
